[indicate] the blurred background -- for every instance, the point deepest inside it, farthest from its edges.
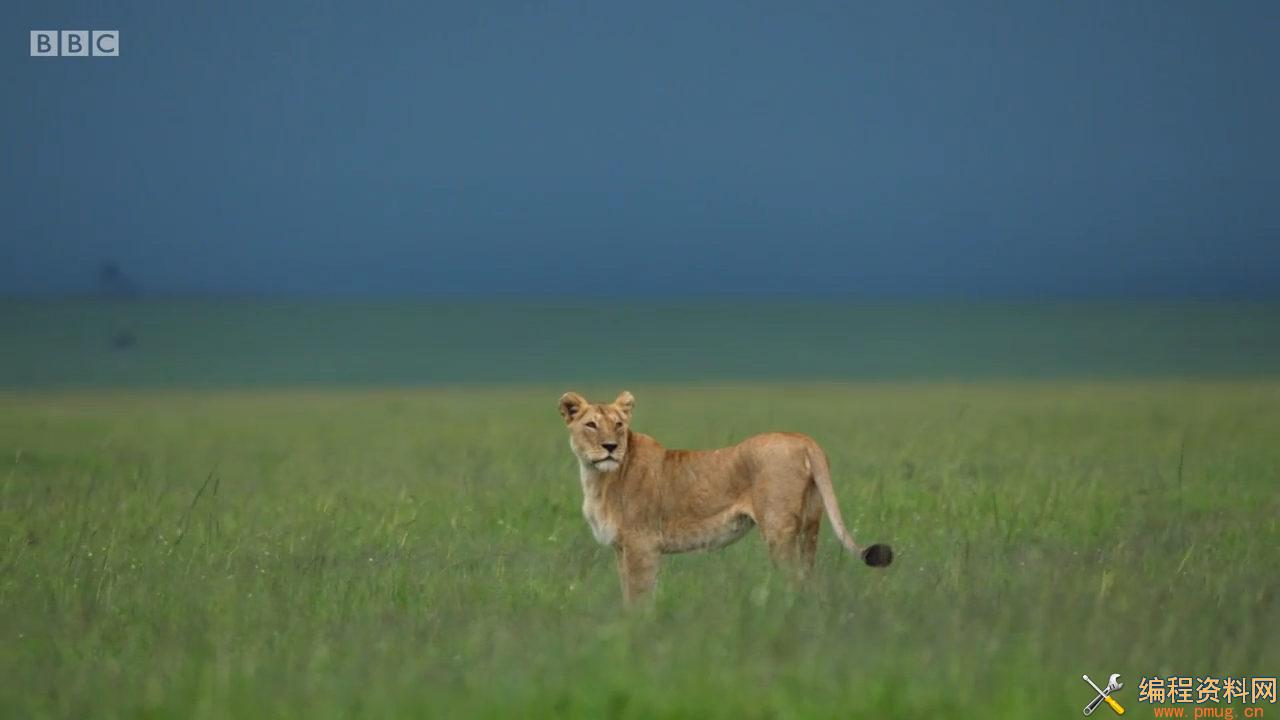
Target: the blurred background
(317, 193)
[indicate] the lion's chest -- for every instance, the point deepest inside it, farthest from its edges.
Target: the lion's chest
(602, 526)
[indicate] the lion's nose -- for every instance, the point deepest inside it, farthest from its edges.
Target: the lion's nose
(609, 446)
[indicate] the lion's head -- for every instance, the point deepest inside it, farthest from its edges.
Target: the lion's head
(598, 433)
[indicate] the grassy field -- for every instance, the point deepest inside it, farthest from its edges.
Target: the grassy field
(421, 553)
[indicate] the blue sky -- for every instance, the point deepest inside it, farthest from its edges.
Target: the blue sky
(915, 149)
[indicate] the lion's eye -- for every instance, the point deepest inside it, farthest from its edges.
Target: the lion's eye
(590, 424)
(617, 426)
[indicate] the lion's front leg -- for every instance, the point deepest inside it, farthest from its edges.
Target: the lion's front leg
(638, 570)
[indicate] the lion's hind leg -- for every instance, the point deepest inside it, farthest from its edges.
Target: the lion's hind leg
(781, 531)
(790, 530)
(810, 524)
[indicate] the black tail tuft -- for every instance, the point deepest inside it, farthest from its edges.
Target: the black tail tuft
(878, 555)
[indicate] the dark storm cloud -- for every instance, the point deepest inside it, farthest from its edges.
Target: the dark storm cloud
(1093, 148)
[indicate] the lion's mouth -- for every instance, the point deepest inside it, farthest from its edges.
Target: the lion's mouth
(605, 461)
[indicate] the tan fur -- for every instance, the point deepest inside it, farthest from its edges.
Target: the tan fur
(646, 501)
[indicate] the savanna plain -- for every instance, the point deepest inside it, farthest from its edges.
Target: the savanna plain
(250, 547)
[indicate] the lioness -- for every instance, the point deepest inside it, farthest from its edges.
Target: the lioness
(646, 501)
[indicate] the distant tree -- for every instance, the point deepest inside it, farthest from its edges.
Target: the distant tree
(112, 281)
(123, 340)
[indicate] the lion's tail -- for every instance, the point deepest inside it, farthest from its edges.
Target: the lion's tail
(875, 555)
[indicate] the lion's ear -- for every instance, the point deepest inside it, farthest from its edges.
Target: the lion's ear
(571, 404)
(625, 402)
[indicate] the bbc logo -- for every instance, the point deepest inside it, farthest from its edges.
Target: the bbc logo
(75, 43)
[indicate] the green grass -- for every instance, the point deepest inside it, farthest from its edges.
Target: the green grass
(421, 553)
